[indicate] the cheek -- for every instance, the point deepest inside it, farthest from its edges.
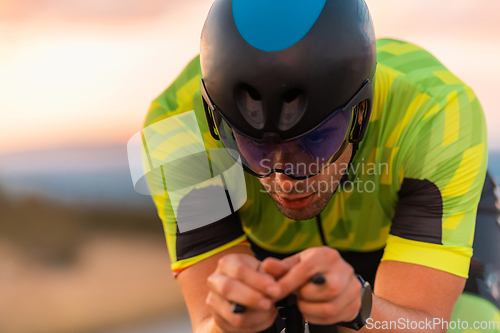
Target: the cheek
(332, 171)
(342, 167)
(335, 171)
(343, 162)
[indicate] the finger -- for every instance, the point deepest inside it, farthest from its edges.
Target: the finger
(251, 321)
(238, 292)
(334, 285)
(275, 267)
(312, 261)
(244, 269)
(293, 260)
(329, 313)
(344, 307)
(223, 319)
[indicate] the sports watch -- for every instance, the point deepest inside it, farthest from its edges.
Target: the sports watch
(364, 311)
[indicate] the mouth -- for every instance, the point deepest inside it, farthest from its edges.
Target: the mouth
(296, 203)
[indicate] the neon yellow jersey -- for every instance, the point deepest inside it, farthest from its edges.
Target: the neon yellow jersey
(419, 174)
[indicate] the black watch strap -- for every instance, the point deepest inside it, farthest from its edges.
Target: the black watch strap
(365, 310)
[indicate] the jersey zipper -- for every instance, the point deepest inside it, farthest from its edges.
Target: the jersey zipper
(320, 229)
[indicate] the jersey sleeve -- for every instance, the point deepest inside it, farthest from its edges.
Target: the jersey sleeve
(440, 156)
(176, 138)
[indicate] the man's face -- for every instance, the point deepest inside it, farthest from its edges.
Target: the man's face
(305, 199)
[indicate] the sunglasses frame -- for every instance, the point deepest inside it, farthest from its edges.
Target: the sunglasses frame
(365, 93)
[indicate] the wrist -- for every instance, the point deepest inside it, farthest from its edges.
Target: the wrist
(365, 309)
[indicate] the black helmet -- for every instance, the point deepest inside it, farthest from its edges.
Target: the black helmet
(274, 72)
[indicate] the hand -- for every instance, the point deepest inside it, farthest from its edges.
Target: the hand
(337, 300)
(238, 279)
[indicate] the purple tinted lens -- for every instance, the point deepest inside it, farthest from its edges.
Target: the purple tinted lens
(304, 155)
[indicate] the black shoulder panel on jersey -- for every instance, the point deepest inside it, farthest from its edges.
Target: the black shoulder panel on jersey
(198, 241)
(419, 212)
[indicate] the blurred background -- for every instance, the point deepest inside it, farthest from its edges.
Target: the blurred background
(80, 251)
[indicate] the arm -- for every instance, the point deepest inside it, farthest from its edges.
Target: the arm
(441, 159)
(413, 293)
(404, 292)
(200, 256)
(193, 283)
(211, 285)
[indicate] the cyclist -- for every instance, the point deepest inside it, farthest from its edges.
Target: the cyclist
(365, 160)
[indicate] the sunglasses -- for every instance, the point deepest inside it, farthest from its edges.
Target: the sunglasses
(300, 157)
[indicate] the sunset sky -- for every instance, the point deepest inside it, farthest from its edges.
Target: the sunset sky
(83, 72)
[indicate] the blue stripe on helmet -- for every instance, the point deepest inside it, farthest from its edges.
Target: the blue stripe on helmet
(274, 25)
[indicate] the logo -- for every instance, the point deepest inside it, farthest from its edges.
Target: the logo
(168, 160)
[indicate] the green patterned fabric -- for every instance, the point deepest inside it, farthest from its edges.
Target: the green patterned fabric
(425, 124)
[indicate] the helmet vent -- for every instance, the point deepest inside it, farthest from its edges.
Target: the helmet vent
(249, 103)
(294, 106)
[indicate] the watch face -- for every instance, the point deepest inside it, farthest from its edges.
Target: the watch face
(366, 302)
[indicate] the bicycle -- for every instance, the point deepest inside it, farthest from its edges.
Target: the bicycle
(290, 313)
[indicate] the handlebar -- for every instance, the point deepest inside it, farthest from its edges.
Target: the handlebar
(290, 313)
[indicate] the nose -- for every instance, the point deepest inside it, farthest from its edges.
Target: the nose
(284, 182)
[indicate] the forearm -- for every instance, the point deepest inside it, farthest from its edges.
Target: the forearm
(208, 325)
(389, 317)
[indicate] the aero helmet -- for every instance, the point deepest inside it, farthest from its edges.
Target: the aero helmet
(282, 80)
